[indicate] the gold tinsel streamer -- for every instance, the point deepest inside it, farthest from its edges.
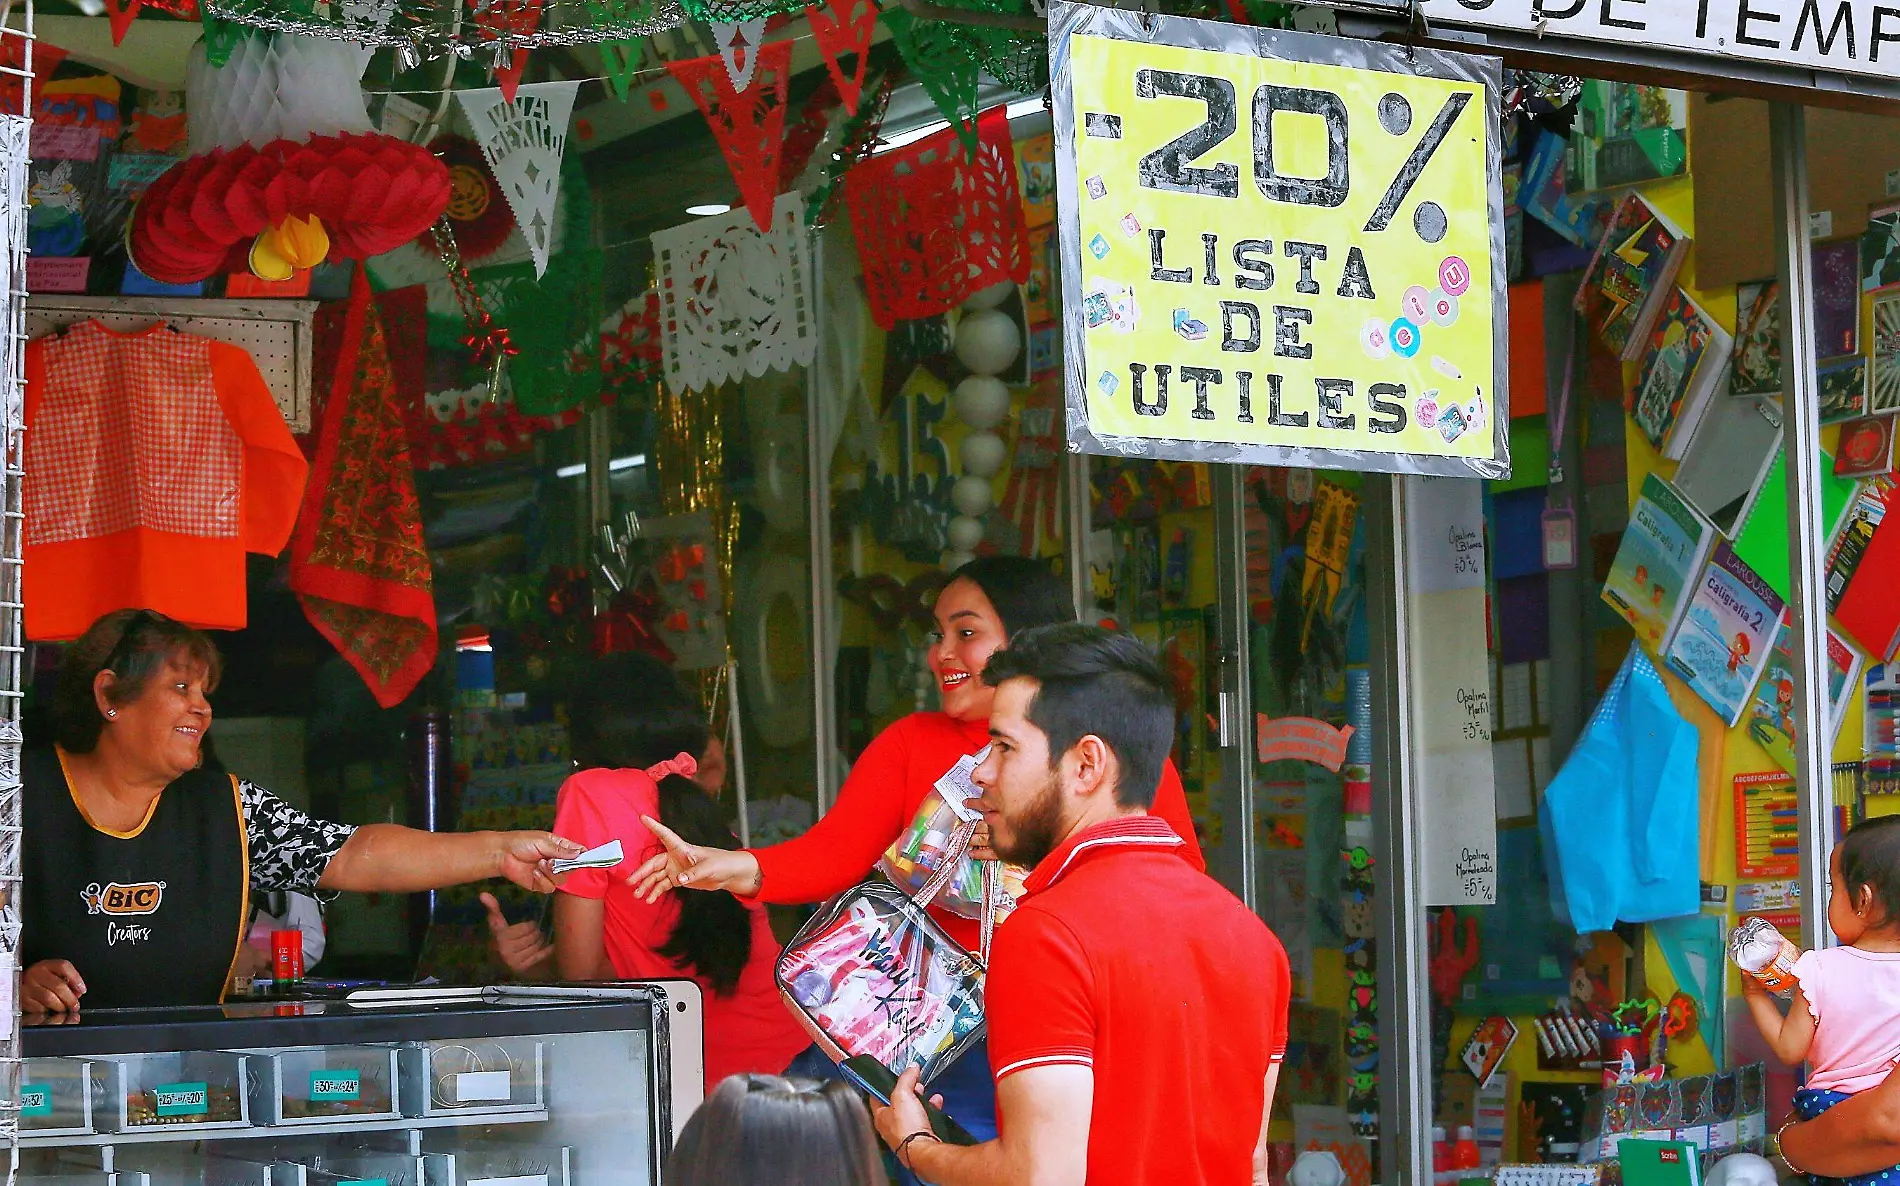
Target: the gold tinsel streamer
(689, 461)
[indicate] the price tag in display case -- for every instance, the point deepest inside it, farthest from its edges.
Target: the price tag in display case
(1278, 247)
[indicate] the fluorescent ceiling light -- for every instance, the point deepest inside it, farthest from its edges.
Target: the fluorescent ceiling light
(1020, 107)
(705, 209)
(614, 466)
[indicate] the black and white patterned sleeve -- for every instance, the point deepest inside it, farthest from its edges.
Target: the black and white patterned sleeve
(289, 850)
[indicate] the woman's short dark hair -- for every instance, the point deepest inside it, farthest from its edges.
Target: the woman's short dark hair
(1026, 593)
(632, 713)
(133, 644)
(762, 1130)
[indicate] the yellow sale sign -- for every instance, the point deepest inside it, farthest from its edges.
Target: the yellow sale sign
(1279, 247)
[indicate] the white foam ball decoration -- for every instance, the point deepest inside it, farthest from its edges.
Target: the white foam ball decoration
(965, 533)
(989, 298)
(954, 560)
(988, 341)
(981, 401)
(972, 496)
(982, 454)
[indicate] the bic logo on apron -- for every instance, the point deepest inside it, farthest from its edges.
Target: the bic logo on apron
(143, 897)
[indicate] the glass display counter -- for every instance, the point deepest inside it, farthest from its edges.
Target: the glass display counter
(584, 1086)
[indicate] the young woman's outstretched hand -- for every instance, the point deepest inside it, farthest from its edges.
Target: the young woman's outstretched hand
(690, 866)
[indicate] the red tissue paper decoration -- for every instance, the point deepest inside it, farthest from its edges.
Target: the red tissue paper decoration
(371, 192)
(748, 126)
(934, 226)
(843, 27)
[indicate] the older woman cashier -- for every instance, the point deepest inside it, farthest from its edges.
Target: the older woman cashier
(140, 865)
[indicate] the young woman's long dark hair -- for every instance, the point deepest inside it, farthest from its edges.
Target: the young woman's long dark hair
(1024, 591)
(761, 1130)
(633, 713)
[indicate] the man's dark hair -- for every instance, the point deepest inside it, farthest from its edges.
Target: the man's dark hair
(1095, 681)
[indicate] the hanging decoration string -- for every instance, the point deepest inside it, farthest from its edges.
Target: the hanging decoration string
(486, 337)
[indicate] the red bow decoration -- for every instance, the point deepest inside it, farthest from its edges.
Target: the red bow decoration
(502, 18)
(372, 193)
(748, 127)
(843, 27)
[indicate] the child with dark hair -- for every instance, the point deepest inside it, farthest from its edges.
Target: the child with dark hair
(1845, 1020)
(629, 723)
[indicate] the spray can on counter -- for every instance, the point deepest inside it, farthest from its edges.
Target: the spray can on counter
(1761, 951)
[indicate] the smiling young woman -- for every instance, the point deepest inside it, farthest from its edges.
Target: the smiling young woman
(986, 602)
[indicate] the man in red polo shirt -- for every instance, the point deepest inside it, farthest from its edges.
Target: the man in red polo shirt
(1137, 1010)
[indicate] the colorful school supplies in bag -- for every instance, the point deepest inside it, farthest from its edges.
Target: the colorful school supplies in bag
(872, 973)
(938, 838)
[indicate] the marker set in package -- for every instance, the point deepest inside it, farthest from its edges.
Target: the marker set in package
(938, 835)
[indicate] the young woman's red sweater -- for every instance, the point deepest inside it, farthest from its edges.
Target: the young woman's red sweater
(878, 799)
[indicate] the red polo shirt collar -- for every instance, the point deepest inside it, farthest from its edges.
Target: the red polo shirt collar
(1120, 834)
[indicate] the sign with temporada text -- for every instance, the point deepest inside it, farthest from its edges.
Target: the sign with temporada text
(1278, 248)
(1849, 36)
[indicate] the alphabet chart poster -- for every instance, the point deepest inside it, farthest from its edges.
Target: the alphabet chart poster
(1278, 247)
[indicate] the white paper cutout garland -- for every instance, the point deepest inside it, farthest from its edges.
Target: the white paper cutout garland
(739, 43)
(523, 142)
(733, 301)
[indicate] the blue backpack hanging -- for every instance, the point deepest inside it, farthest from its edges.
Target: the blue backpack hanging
(1620, 822)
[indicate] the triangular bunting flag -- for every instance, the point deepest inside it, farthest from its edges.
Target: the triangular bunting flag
(501, 18)
(120, 14)
(523, 139)
(938, 56)
(749, 128)
(621, 61)
(739, 44)
(843, 27)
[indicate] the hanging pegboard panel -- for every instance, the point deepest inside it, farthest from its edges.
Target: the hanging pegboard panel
(277, 333)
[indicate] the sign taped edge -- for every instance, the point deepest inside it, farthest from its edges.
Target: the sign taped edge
(1068, 20)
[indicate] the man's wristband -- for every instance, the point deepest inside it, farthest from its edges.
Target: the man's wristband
(903, 1147)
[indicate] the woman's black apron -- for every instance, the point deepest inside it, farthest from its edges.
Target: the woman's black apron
(151, 917)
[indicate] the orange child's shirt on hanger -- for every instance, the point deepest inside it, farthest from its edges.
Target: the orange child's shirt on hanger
(154, 461)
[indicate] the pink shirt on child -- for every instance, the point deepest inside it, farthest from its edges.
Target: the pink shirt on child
(1854, 996)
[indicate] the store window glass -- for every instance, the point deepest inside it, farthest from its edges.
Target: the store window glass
(1309, 730)
(1630, 611)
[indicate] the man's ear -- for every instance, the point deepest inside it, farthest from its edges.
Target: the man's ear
(1094, 765)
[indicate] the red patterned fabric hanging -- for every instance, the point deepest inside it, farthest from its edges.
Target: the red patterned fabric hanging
(504, 17)
(934, 226)
(749, 126)
(358, 563)
(843, 27)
